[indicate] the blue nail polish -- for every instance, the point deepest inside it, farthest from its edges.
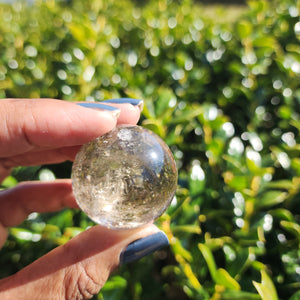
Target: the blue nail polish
(124, 100)
(143, 247)
(97, 105)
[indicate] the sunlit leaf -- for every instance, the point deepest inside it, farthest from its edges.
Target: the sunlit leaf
(223, 278)
(281, 184)
(266, 288)
(115, 282)
(178, 249)
(187, 228)
(283, 214)
(271, 198)
(244, 29)
(9, 182)
(291, 227)
(267, 42)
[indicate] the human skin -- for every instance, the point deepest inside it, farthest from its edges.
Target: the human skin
(44, 131)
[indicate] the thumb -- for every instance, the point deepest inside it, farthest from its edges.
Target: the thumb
(79, 269)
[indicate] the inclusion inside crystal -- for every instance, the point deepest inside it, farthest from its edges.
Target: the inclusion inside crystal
(125, 178)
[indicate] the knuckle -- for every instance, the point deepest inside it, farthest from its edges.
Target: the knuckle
(79, 284)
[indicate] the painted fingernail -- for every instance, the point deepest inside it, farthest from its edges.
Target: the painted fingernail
(144, 246)
(135, 102)
(102, 107)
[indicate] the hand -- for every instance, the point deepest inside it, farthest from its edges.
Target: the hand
(34, 132)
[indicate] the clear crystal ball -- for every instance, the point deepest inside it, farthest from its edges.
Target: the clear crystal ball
(125, 178)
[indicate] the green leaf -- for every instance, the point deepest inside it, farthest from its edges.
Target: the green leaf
(271, 198)
(238, 183)
(9, 182)
(21, 234)
(239, 295)
(178, 249)
(220, 276)
(223, 278)
(216, 243)
(266, 288)
(72, 231)
(185, 115)
(295, 123)
(295, 163)
(282, 213)
(244, 29)
(292, 227)
(266, 42)
(162, 104)
(186, 228)
(115, 282)
(155, 126)
(236, 267)
(83, 33)
(281, 184)
(295, 296)
(233, 161)
(49, 228)
(208, 256)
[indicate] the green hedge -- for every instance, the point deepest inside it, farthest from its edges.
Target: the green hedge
(225, 97)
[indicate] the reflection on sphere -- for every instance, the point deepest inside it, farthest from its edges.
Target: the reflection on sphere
(125, 178)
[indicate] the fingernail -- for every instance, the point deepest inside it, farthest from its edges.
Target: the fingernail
(144, 246)
(115, 112)
(135, 102)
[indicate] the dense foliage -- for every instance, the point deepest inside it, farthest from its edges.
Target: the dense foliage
(225, 97)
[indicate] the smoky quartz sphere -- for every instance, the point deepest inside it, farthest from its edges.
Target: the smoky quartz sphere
(125, 178)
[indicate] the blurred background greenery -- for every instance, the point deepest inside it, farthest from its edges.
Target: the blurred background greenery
(221, 87)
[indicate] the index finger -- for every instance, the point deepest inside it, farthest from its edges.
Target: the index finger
(37, 124)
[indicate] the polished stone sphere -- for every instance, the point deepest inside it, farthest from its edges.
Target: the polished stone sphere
(125, 178)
